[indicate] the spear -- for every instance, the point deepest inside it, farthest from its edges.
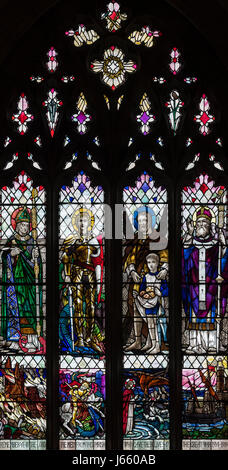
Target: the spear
(36, 265)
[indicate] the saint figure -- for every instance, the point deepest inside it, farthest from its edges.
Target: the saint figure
(134, 262)
(83, 270)
(204, 257)
(21, 322)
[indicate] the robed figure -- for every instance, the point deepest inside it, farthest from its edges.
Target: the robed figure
(204, 281)
(134, 262)
(82, 272)
(21, 307)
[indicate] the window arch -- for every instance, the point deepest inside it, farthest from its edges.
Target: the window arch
(148, 116)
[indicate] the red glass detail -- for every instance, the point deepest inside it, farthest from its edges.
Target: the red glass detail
(22, 172)
(41, 188)
(22, 187)
(204, 118)
(113, 15)
(52, 132)
(113, 87)
(112, 48)
(4, 188)
(193, 199)
(12, 199)
(204, 188)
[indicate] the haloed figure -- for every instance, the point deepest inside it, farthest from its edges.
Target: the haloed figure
(82, 261)
(20, 319)
(134, 264)
(204, 254)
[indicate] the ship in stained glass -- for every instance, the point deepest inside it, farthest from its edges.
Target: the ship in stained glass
(205, 398)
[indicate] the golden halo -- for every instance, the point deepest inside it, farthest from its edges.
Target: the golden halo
(213, 219)
(80, 212)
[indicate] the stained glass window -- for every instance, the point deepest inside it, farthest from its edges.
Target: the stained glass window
(111, 342)
(204, 300)
(145, 293)
(23, 315)
(82, 315)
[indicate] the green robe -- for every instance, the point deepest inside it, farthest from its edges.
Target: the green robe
(18, 309)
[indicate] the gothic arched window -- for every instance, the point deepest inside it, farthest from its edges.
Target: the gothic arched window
(114, 261)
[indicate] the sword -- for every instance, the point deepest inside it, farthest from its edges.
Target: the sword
(71, 316)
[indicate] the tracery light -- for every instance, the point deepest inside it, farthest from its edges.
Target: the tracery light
(52, 103)
(66, 140)
(82, 36)
(113, 67)
(192, 163)
(38, 141)
(130, 142)
(38, 79)
(160, 141)
(174, 105)
(189, 142)
(145, 118)
(52, 63)
(107, 102)
(119, 101)
(7, 141)
(22, 117)
(69, 163)
(81, 117)
(190, 80)
(68, 78)
(174, 64)
(160, 80)
(217, 164)
(96, 141)
(145, 36)
(113, 16)
(219, 141)
(204, 118)
(10, 163)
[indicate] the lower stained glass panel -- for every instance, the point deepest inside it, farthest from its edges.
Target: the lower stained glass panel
(82, 403)
(205, 402)
(146, 403)
(22, 403)
(82, 316)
